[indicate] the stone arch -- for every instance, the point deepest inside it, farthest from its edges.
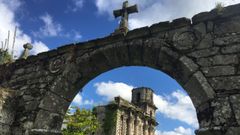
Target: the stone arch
(152, 53)
(202, 55)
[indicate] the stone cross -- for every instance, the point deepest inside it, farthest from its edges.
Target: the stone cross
(124, 12)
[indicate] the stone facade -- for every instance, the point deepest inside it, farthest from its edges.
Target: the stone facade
(128, 118)
(201, 54)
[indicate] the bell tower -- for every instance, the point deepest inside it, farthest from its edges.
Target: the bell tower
(143, 98)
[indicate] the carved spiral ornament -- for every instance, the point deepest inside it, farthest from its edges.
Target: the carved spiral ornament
(185, 40)
(56, 65)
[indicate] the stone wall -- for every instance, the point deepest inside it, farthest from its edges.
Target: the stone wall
(7, 112)
(202, 55)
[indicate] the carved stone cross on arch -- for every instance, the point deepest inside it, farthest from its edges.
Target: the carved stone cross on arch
(124, 12)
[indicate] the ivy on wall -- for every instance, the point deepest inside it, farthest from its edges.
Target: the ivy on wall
(110, 121)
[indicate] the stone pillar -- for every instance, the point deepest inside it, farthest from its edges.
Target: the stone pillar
(151, 130)
(141, 128)
(145, 128)
(136, 125)
(124, 125)
(130, 125)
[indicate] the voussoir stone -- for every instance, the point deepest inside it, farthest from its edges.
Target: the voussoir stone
(199, 83)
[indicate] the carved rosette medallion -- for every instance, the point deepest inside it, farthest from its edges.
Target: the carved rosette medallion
(185, 40)
(56, 65)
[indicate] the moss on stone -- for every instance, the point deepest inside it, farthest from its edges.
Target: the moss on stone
(219, 7)
(110, 121)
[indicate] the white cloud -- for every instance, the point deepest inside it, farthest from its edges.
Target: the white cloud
(177, 131)
(79, 100)
(50, 28)
(8, 23)
(110, 89)
(39, 47)
(78, 5)
(176, 106)
(153, 11)
(74, 6)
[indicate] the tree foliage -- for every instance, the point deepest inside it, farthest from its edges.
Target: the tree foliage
(81, 122)
(5, 57)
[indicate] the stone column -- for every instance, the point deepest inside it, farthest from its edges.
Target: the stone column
(151, 130)
(136, 125)
(141, 128)
(130, 125)
(124, 125)
(145, 128)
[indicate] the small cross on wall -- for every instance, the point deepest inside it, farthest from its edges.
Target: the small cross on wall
(124, 13)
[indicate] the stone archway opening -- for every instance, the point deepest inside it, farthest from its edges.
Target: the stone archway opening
(174, 99)
(152, 53)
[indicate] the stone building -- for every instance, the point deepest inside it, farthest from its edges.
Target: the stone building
(121, 117)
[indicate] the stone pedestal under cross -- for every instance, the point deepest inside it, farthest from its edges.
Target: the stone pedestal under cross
(124, 12)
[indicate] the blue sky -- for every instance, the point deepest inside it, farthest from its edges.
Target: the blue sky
(48, 24)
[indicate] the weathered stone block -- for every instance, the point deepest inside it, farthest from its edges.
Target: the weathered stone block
(235, 100)
(210, 26)
(19, 71)
(209, 132)
(136, 51)
(99, 61)
(111, 55)
(227, 40)
(206, 42)
(184, 40)
(31, 105)
(199, 89)
(64, 88)
(58, 104)
(7, 106)
(218, 60)
(225, 59)
(222, 113)
(122, 52)
(233, 131)
(204, 16)
(137, 33)
(230, 26)
(204, 52)
(225, 83)
(180, 22)
(47, 121)
(5, 129)
(201, 27)
(218, 70)
(162, 26)
(151, 50)
(231, 49)
(186, 68)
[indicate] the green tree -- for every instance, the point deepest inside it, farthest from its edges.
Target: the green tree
(81, 122)
(5, 57)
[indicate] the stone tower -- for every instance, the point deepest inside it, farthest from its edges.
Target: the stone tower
(143, 98)
(121, 117)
